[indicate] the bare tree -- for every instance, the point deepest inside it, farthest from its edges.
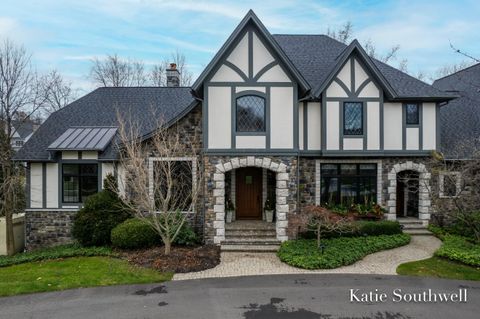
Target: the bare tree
(20, 97)
(465, 54)
(159, 188)
(157, 74)
(343, 34)
(57, 91)
(115, 71)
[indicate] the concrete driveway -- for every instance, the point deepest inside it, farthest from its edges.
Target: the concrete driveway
(303, 296)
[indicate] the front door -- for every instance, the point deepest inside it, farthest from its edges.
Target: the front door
(248, 193)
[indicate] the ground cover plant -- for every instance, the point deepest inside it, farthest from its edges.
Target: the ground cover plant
(336, 252)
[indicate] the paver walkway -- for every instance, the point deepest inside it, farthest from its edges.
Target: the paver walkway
(383, 262)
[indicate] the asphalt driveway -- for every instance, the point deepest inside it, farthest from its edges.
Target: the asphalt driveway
(303, 296)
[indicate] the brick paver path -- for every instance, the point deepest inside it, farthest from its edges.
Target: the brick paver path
(384, 262)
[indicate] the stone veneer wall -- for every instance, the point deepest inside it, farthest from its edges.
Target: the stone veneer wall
(48, 228)
(214, 170)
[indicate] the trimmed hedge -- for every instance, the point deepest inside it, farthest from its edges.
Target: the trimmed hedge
(64, 251)
(362, 228)
(94, 222)
(458, 248)
(135, 234)
(303, 253)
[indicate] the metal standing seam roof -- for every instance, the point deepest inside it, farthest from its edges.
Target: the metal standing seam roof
(94, 138)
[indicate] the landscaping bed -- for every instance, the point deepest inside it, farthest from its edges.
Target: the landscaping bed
(180, 260)
(336, 252)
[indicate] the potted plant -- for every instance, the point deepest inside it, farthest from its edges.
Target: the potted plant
(230, 210)
(269, 209)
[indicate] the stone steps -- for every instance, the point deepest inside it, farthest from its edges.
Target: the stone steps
(250, 233)
(249, 248)
(251, 241)
(418, 232)
(414, 227)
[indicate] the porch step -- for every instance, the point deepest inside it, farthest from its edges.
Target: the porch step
(250, 233)
(251, 241)
(249, 225)
(410, 221)
(413, 226)
(418, 232)
(249, 248)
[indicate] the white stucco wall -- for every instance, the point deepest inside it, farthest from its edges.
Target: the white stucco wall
(370, 90)
(392, 126)
(335, 90)
(219, 115)
(429, 126)
(345, 75)
(226, 74)
(70, 155)
(333, 125)
(121, 179)
(250, 88)
(107, 168)
(412, 138)
(373, 125)
(352, 144)
(314, 125)
(281, 117)
(300, 126)
(239, 55)
(261, 56)
(36, 185)
(360, 75)
(274, 74)
(52, 185)
(250, 141)
(90, 155)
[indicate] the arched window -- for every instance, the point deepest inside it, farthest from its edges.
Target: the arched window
(250, 112)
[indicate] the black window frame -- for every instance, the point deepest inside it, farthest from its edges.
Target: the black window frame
(407, 120)
(359, 177)
(237, 130)
(346, 132)
(79, 175)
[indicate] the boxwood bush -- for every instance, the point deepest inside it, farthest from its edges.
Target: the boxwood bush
(135, 234)
(337, 252)
(100, 214)
(362, 228)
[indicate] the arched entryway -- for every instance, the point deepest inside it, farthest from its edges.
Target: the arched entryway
(409, 191)
(281, 192)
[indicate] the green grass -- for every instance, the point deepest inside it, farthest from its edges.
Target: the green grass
(439, 268)
(60, 274)
(64, 251)
(303, 253)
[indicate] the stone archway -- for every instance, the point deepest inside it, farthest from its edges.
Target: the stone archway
(424, 202)
(282, 178)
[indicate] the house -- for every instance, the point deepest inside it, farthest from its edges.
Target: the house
(22, 131)
(303, 117)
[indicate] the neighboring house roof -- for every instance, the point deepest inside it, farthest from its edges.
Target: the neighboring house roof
(460, 129)
(317, 56)
(147, 106)
(23, 128)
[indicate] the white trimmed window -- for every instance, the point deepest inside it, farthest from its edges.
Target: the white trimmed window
(184, 174)
(450, 184)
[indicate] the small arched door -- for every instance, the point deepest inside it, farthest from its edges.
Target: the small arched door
(407, 194)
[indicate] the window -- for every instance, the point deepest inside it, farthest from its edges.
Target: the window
(412, 114)
(79, 182)
(450, 184)
(348, 183)
(353, 118)
(173, 180)
(250, 114)
(18, 143)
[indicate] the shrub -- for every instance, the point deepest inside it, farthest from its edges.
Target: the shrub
(133, 234)
(337, 252)
(458, 248)
(383, 227)
(94, 222)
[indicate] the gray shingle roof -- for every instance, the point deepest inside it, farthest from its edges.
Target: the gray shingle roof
(315, 56)
(460, 129)
(146, 105)
(23, 128)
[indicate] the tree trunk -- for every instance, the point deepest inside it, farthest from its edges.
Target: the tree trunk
(319, 234)
(168, 247)
(8, 208)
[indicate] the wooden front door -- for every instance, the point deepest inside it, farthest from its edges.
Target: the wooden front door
(248, 193)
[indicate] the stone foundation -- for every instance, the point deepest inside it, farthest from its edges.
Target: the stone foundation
(48, 228)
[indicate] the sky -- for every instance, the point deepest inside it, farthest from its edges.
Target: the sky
(66, 35)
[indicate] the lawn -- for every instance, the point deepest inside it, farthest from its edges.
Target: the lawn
(440, 268)
(337, 252)
(60, 274)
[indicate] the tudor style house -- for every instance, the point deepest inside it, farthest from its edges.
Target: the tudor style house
(296, 119)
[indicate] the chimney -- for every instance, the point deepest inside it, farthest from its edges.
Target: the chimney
(173, 76)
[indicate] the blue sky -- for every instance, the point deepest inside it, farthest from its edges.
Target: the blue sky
(67, 34)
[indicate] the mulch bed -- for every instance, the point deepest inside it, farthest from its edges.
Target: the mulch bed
(180, 260)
